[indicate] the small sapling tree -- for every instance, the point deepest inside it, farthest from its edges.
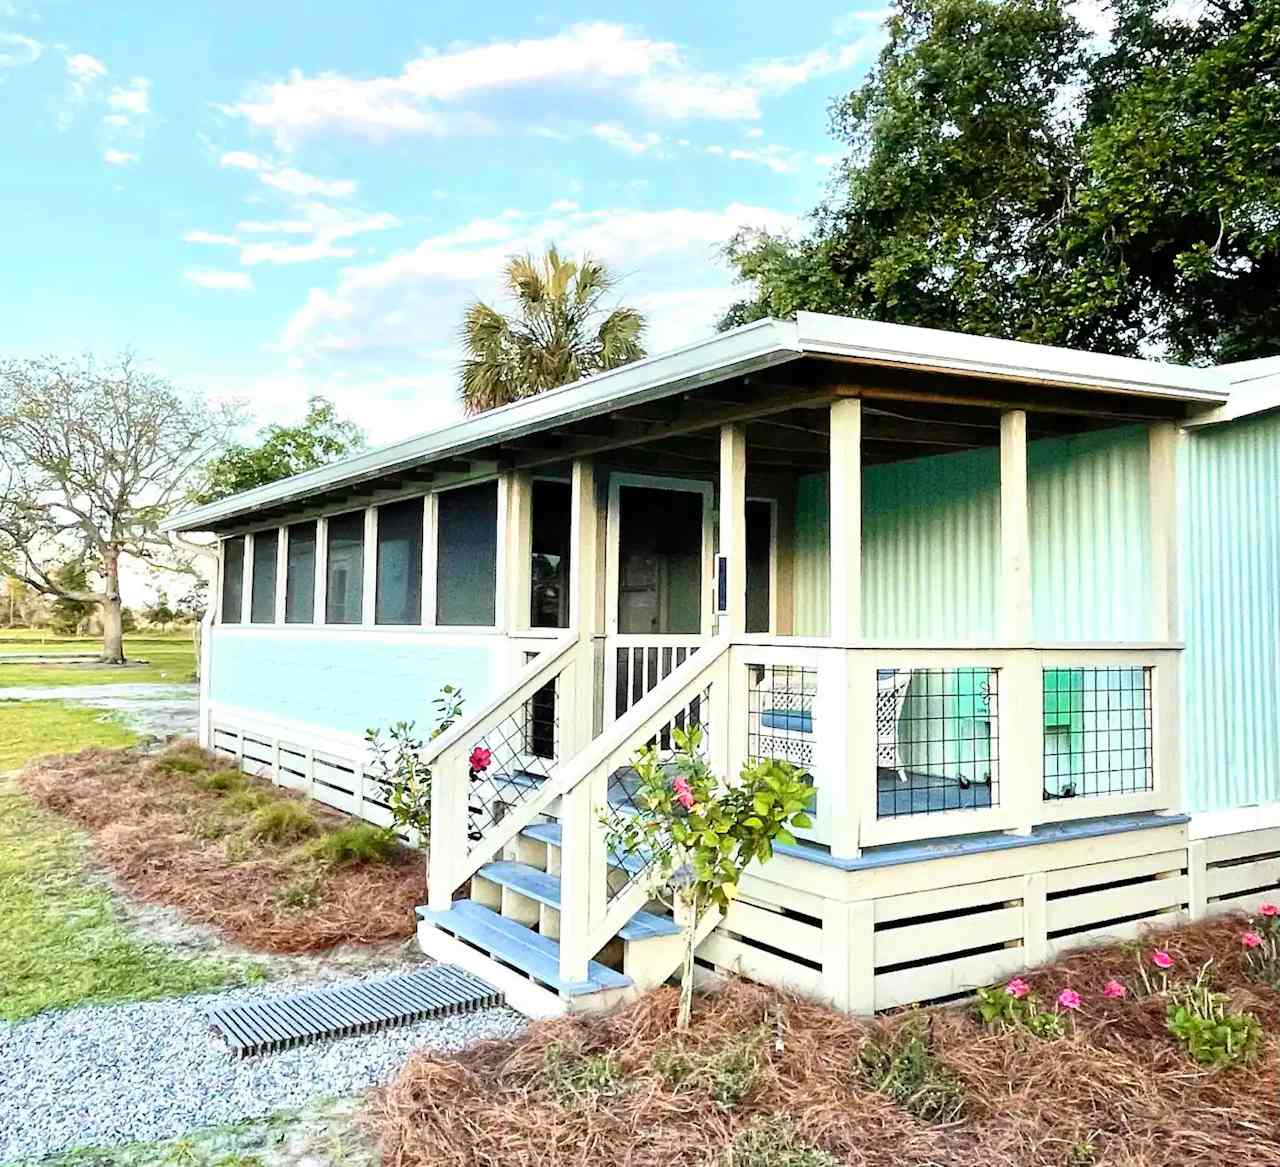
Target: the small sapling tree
(697, 834)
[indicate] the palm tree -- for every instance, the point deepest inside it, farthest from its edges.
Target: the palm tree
(558, 333)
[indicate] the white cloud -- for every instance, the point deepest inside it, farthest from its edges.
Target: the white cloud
(295, 182)
(753, 132)
(243, 160)
(132, 99)
(282, 253)
(118, 157)
(222, 281)
(83, 73)
(211, 238)
(562, 205)
(275, 227)
(325, 224)
(17, 50)
(461, 88)
(413, 300)
(625, 140)
(779, 159)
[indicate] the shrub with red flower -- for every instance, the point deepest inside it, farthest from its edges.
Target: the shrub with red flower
(1069, 999)
(1114, 990)
(1261, 944)
(480, 760)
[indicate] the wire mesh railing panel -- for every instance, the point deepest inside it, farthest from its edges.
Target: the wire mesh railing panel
(1098, 732)
(937, 740)
(780, 703)
(510, 761)
(624, 870)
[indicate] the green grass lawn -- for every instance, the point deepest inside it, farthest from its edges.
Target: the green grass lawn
(31, 728)
(60, 942)
(170, 658)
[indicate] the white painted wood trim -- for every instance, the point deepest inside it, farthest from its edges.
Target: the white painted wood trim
(246, 588)
(1162, 474)
(1016, 619)
(522, 994)
(733, 526)
(282, 571)
(321, 598)
(846, 519)
(369, 568)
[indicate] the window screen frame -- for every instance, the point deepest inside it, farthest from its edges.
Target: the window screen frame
(425, 511)
(362, 516)
(287, 556)
(260, 540)
(436, 559)
(238, 616)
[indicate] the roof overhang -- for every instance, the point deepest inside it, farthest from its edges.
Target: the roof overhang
(753, 347)
(1255, 389)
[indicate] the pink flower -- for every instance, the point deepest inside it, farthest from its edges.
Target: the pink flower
(1268, 910)
(481, 759)
(1251, 940)
(1069, 999)
(1017, 988)
(1161, 959)
(683, 792)
(1114, 990)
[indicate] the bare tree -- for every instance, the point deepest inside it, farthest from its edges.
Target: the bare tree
(91, 459)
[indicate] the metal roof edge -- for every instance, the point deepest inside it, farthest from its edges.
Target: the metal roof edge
(932, 348)
(750, 346)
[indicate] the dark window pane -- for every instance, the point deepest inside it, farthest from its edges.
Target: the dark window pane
(300, 579)
(467, 546)
(759, 546)
(399, 595)
(550, 543)
(262, 603)
(232, 579)
(659, 561)
(344, 591)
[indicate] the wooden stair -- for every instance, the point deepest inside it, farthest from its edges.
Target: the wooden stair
(507, 932)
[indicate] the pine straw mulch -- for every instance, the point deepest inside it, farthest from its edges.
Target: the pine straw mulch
(1116, 1092)
(154, 829)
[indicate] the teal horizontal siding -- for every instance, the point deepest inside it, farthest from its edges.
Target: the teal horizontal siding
(1229, 554)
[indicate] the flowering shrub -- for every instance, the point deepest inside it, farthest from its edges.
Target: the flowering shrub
(1014, 1005)
(698, 834)
(400, 769)
(1261, 944)
(1210, 1031)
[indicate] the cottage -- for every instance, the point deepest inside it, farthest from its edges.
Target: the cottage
(1012, 607)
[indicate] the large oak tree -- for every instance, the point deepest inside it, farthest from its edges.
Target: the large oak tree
(1009, 174)
(91, 459)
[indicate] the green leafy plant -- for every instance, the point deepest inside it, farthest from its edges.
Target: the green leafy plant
(734, 1072)
(1261, 944)
(302, 894)
(575, 1077)
(353, 845)
(400, 770)
(222, 782)
(906, 1070)
(774, 1143)
(1014, 1005)
(1211, 1032)
(282, 822)
(696, 834)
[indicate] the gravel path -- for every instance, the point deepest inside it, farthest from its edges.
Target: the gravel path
(113, 1074)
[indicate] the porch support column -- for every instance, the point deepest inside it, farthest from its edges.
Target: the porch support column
(1162, 439)
(578, 719)
(1015, 536)
(846, 519)
(517, 543)
(733, 524)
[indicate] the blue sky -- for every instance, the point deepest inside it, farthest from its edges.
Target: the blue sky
(275, 199)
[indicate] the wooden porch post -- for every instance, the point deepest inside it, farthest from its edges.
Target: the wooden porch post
(733, 525)
(578, 719)
(1015, 537)
(517, 537)
(1020, 687)
(844, 712)
(846, 519)
(1162, 439)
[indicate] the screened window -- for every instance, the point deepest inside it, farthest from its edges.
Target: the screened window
(262, 601)
(467, 553)
(759, 564)
(344, 592)
(232, 579)
(550, 546)
(399, 597)
(300, 577)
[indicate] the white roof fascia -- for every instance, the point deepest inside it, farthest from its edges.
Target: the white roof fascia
(935, 349)
(753, 346)
(1255, 389)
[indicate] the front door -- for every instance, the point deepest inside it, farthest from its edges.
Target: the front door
(658, 600)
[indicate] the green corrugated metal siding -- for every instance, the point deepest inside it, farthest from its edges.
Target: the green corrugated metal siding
(1229, 551)
(931, 543)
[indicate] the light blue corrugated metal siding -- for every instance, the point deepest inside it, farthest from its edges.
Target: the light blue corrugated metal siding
(931, 543)
(1090, 536)
(1229, 551)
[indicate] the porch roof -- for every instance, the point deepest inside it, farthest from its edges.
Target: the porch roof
(829, 353)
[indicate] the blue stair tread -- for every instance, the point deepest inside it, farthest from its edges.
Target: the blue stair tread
(538, 885)
(517, 945)
(550, 833)
(790, 720)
